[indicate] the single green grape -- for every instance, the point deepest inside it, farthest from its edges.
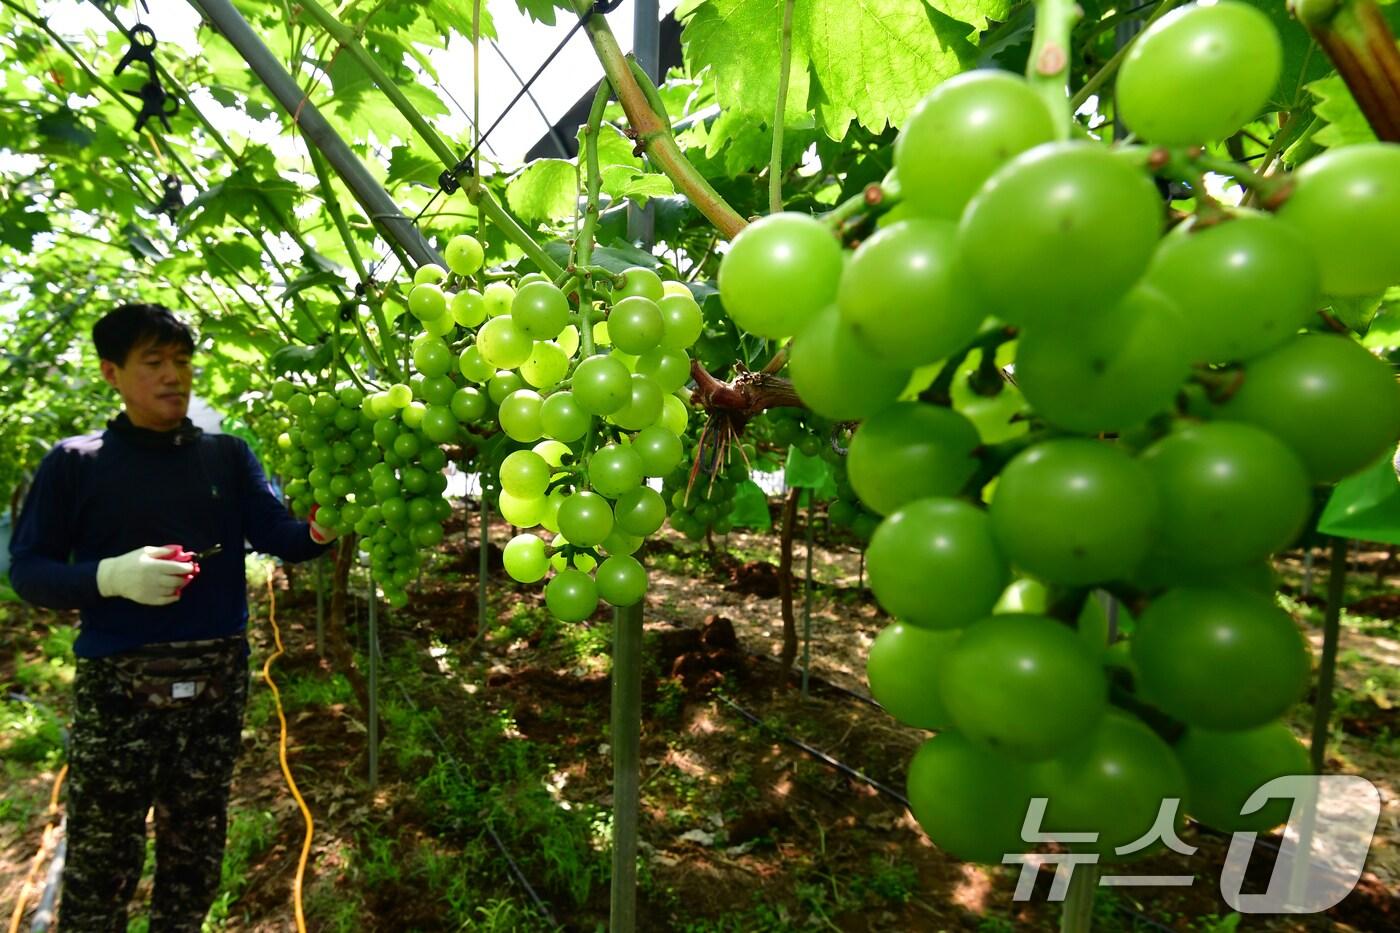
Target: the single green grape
(993, 115)
(622, 580)
(519, 415)
(602, 385)
(779, 272)
(525, 474)
(1199, 73)
(502, 344)
(562, 418)
(524, 558)
(572, 596)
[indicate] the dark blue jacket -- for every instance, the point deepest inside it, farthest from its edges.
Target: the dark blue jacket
(104, 494)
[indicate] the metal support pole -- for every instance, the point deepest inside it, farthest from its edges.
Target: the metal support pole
(378, 206)
(1077, 910)
(626, 752)
(321, 607)
(372, 650)
(646, 47)
(807, 601)
(1327, 667)
(482, 569)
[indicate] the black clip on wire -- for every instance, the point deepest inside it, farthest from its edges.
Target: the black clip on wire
(448, 182)
(154, 101)
(143, 49)
(171, 201)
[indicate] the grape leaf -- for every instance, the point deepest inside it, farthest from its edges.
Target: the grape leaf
(639, 186)
(623, 173)
(19, 226)
(975, 13)
(1345, 123)
(415, 168)
(750, 508)
(863, 60)
(1384, 332)
(298, 359)
(1357, 313)
(1365, 505)
(547, 189)
(140, 245)
(65, 127)
(615, 258)
(542, 11)
(739, 40)
(233, 256)
(1303, 61)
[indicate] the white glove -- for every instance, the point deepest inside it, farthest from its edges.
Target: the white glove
(320, 533)
(143, 576)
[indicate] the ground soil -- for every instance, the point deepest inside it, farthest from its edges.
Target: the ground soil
(740, 828)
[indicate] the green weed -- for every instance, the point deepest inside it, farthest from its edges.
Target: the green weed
(250, 833)
(31, 734)
(316, 692)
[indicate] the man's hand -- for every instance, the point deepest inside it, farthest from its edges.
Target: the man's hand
(320, 533)
(146, 575)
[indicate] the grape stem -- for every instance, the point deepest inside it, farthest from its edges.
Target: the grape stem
(1111, 66)
(1120, 695)
(654, 136)
(747, 396)
(581, 261)
(873, 197)
(1047, 70)
(1220, 384)
(775, 161)
(1271, 191)
(940, 391)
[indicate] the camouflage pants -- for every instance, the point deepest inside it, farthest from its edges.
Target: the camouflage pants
(131, 751)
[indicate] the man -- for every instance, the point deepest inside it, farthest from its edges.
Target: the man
(108, 528)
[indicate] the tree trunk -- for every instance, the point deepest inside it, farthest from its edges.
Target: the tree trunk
(789, 654)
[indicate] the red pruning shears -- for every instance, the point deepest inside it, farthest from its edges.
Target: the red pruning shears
(183, 556)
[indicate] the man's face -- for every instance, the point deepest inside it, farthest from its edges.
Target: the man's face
(154, 384)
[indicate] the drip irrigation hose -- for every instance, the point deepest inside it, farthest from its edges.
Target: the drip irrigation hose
(816, 753)
(515, 870)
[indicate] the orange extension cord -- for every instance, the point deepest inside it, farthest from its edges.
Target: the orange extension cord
(282, 757)
(45, 847)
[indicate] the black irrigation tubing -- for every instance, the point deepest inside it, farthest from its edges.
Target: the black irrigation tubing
(895, 795)
(1272, 843)
(821, 681)
(816, 753)
(515, 869)
(813, 678)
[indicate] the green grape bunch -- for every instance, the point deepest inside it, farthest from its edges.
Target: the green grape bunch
(588, 401)
(1058, 396)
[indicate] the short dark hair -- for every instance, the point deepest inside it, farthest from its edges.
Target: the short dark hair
(120, 330)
